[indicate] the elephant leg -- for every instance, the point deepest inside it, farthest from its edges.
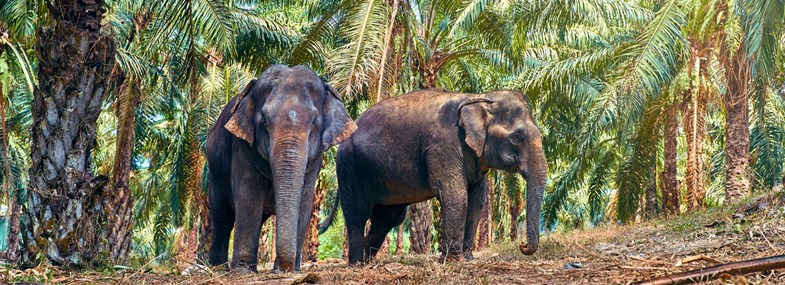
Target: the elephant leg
(221, 223)
(383, 219)
(476, 200)
(355, 205)
(306, 206)
(448, 183)
(355, 214)
(249, 200)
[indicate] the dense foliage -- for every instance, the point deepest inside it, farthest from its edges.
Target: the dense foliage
(605, 78)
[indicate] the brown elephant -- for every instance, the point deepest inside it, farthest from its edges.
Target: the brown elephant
(264, 156)
(428, 144)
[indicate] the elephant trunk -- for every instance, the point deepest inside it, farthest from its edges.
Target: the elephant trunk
(535, 174)
(289, 162)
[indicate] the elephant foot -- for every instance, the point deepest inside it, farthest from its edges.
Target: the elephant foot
(243, 268)
(452, 256)
(468, 256)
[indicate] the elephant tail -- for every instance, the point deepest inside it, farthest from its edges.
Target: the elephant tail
(329, 221)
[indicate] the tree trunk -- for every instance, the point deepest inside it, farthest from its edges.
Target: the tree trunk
(694, 122)
(651, 196)
(737, 132)
(670, 184)
(311, 244)
(515, 206)
(64, 214)
(119, 202)
(266, 248)
(420, 227)
(399, 240)
(384, 249)
(494, 213)
(483, 232)
(13, 200)
(13, 229)
(436, 223)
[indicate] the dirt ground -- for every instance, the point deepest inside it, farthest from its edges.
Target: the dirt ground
(606, 255)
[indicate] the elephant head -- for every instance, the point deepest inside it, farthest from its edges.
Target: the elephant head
(289, 115)
(499, 127)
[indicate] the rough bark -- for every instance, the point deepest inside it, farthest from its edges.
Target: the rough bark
(384, 249)
(12, 215)
(737, 132)
(515, 208)
(420, 227)
(64, 214)
(399, 240)
(483, 228)
(311, 245)
(651, 197)
(266, 249)
(119, 204)
(670, 184)
(196, 162)
(494, 215)
(13, 229)
(694, 122)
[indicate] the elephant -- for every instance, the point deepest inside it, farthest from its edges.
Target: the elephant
(264, 155)
(427, 144)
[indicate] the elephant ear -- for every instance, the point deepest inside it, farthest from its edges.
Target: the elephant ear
(338, 126)
(240, 124)
(473, 118)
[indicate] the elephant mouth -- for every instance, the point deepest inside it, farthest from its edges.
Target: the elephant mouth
(510, 161)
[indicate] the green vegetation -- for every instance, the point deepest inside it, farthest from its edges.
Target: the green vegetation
(647, 108)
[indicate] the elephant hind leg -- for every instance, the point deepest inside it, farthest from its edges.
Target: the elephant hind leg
(356, 215)
(221, 224)
(383, 219)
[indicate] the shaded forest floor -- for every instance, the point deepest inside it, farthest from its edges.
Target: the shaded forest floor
(605, 255)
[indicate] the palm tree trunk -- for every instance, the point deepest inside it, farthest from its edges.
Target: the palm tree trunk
(64, 214)
(670, 184)
(484, 227)
(737, 132)
(651, 196)
(694, 122)
(266, 249)
(13, 229)
(120, 201)
(494, 213)
(311, 244)
(13, 210)
(515, 204)
(420, 227)
(399, 240)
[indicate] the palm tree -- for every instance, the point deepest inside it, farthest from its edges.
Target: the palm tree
(73, 77)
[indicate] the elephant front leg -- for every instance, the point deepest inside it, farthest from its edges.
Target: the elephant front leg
(248, 202)
(449, 185)
(453, 224)
(477, 197)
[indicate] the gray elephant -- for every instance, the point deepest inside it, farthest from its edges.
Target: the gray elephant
(428, 144)
(264, 155)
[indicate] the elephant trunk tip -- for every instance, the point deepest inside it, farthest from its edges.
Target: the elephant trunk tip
(526, 249)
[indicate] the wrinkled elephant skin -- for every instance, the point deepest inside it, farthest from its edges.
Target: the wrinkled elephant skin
(428, 144)
(264, 155)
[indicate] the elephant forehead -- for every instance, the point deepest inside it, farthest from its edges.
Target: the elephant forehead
(293, 116)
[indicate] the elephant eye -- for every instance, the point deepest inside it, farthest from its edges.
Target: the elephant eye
(517, 138)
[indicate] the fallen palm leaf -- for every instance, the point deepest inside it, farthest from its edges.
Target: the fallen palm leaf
(717, 271)
(696, 258)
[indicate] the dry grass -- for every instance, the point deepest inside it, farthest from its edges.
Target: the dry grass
(607, 255)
